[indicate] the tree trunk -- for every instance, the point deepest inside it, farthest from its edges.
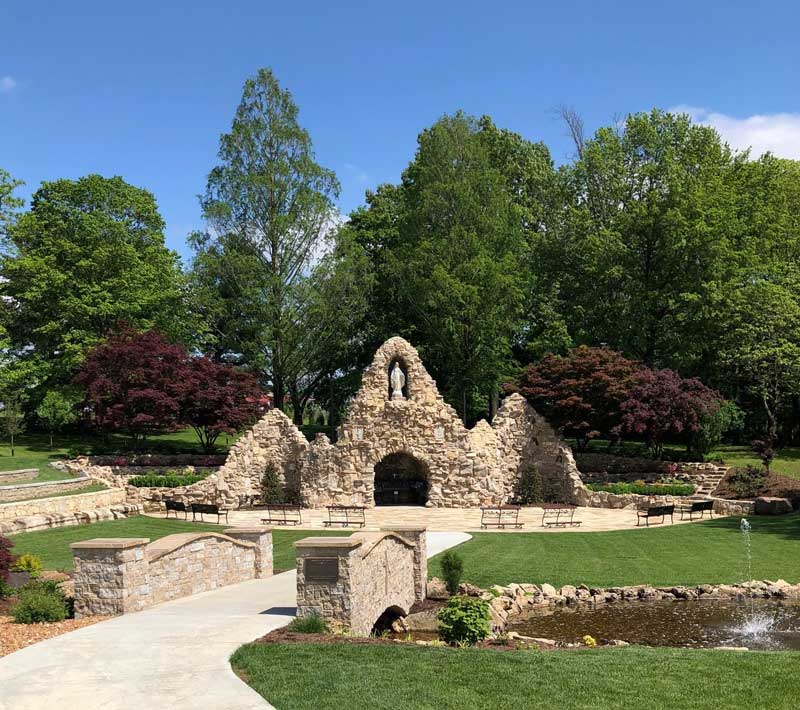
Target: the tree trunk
(278, 393)
(772, 423)
(51, 441)
(12, 444)
(298, 407)
(494, 403)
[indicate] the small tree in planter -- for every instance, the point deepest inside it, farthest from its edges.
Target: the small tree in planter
(271, 487)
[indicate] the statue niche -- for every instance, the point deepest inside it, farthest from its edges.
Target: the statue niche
(398, 389)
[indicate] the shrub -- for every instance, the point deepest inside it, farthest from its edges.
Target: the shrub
(168, 480)
(28, 563)
(6, 558)
(452, 569)
(529, 486)
(644, 489)
(271, 487)
(6, 590)
(313, 624)
(465, 620)
(746, 482)
(713, 425)
(37, 603)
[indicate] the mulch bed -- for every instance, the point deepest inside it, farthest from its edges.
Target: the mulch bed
(775, 485)
(16, 636)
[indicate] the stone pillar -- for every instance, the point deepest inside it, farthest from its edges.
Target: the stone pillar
(325, 572)
(261, 537)
(415, 534)
(110, 576)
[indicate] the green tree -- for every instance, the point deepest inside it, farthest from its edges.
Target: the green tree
(13, 416)
(9, 203)
(460, 259)
(269, 202)
(647, 234)
(56, 410)
(88, 255)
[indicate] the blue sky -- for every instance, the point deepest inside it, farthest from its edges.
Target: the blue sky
(144, 89)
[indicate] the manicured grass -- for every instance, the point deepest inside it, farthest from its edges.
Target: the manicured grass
(315, 677)
(90, 488)
(712, 552)
(52, 546)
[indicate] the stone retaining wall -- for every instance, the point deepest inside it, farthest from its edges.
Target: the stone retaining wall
(62, 504)
(22, 474)
(44, 521)
(121, 575)
(604, 499)
(23, 491)
(352, 581)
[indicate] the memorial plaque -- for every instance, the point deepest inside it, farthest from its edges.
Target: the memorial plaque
(321, 569)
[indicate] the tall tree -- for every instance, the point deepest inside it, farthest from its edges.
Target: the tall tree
(646, 236)
(270, 200)
(88, 255)
(460, 259)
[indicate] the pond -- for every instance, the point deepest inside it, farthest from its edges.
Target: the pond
(757, 624)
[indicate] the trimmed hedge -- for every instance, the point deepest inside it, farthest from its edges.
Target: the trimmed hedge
(644, 489)
(165, 480)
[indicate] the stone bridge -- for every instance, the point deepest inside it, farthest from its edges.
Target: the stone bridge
(355, 581)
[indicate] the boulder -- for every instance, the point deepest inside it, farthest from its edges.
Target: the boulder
(548, 590)
(770, 505)
(437, 589)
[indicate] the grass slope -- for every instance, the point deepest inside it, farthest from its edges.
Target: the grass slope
(315, 677)
(52, 546)
(712, 551)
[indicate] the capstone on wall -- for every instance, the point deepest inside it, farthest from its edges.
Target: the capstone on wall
(353, 580)
(121, 575)
(464, 467)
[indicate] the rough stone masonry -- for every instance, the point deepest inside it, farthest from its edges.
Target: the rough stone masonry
(461, 467)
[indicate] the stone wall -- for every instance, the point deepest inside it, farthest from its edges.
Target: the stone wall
(62, 504)
(44, 521)
(24, 491)
(22, 474)
(121, 575)
(352, 581)
(465, 468)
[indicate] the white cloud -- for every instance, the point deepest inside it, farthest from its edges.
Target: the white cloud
(777, 133)
(7, 84)
(357, 173)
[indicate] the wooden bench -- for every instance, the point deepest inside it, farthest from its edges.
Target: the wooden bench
(279, 514)
(345, 515)
(655, 511)
(501, 516)
(208, 509)
(698, 506)
(176, 507)
(560, 517)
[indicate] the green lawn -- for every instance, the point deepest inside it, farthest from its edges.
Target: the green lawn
(315, 677)
(711, 551)
(52, 546)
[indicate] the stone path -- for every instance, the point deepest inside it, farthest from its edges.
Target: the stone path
(457, 519)
(174, 655)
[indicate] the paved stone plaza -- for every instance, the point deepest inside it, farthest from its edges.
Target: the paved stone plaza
(454, 519)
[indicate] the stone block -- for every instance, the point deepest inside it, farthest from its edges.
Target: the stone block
(769, 505)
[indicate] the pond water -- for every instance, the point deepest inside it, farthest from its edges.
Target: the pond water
(757, 624)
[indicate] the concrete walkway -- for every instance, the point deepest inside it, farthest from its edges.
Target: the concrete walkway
(172, 656)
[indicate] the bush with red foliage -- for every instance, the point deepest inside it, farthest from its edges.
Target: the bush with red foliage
(580, 393)
(217, 399)
(131, 383)
(597, 392)
(661, 403)
(6, 558)
(142, 384)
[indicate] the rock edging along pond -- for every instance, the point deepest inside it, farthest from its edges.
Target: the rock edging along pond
(507, 603)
